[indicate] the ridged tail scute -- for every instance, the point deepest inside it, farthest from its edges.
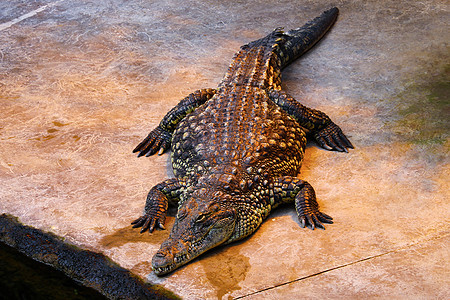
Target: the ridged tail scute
(259, 63)
(295, 42)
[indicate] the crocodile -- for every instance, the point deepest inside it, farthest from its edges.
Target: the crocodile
(236, 151)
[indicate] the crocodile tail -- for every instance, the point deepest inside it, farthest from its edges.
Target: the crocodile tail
(295, 42)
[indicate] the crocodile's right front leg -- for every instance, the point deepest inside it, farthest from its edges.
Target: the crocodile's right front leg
(157, 202)
(159, 138)
(327, 134)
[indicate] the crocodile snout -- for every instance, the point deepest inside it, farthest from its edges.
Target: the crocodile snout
(162, 262)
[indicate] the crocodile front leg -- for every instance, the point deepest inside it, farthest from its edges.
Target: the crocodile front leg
(288, 189)
(327, 134)
(157, 202)
(159, 138)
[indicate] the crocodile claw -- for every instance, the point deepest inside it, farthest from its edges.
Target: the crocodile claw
(315, 220)
(332, 138)
(158, 140)
(149, 223)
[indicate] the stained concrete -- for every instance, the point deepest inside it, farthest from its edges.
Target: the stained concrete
(82, 82)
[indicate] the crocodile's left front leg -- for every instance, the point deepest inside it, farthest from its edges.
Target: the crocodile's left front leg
(159, 138)
(288, 189)
(327, 134)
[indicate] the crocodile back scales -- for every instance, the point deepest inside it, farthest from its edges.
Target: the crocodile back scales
(238, 128)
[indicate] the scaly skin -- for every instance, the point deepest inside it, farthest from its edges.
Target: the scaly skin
(236, 151)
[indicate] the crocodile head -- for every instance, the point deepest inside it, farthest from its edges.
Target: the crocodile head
(201, 224)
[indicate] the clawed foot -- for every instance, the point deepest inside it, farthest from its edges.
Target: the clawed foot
(332, 138)
(149, 223)
(314, 220)
(157, 140)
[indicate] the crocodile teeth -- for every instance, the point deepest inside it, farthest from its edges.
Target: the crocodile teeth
(161, 270)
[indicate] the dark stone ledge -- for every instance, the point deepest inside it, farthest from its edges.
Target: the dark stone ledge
(88, 268)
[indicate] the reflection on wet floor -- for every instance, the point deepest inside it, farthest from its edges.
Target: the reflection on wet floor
(225, 269)
(132, 235)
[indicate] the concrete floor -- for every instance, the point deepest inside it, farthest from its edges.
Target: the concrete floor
(82, 82)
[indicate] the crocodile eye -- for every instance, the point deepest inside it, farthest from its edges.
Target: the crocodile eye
(200, 218)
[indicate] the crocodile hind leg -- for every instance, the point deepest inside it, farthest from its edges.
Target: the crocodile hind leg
(288, 189)
(327, 134)
(158, 140)
(157, 202)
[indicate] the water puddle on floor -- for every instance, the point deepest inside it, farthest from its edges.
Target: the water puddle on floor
(225, 269)
(129, 234)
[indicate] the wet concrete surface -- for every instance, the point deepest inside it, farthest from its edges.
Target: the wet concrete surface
(82, 82)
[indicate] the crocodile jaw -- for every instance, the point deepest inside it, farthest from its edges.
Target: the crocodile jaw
(187, 242)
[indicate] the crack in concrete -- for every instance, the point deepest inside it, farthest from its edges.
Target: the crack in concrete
(345, 265)
(32, 13)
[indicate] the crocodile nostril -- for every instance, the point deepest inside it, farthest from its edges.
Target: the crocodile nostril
(162, 259)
